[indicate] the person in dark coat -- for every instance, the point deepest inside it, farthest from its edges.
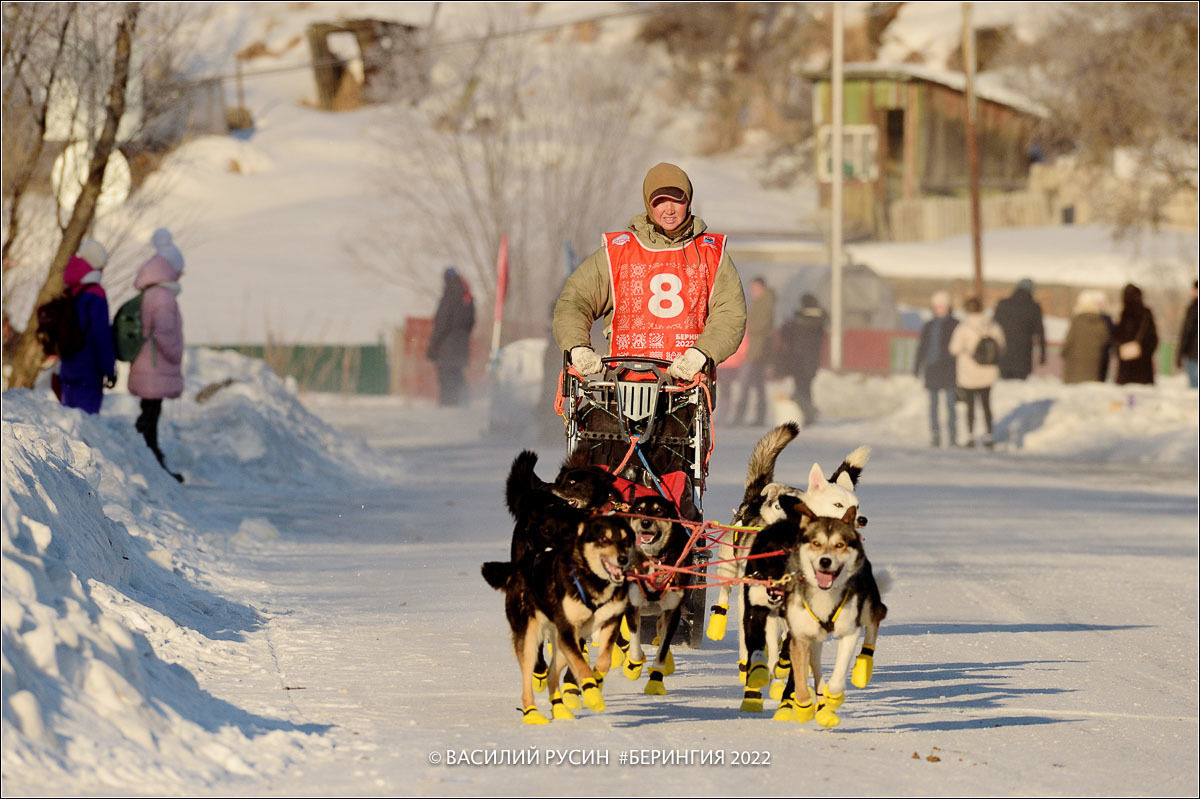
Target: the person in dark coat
(941, 373)
(1185, 353)
(449, 344)
(1086, 349)
(1021, 320)
(800, 341)
(84, 374)
(1135, 324)
(760, 329)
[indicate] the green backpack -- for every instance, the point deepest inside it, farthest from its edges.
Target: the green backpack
(127, 329)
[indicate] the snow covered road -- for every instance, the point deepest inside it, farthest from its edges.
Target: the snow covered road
(305, 616)
(1041, 636)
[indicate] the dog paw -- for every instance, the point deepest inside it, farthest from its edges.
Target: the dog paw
(558, 709)
(757, 675)
(826, 717)
(531, 715)
(752, 702)
(717, 622)
(571, 696)
(539, 680)
(786, 711)
(864, 665)
(804, 713)
(833, 701)
(654, 686)
(592, 696)
(633, 668)
(783, 667)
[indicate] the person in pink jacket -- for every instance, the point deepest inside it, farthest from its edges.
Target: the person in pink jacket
(156, 373)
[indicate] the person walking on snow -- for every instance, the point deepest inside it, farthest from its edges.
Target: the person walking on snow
(450, 341)
(801, 339)
(1135, 338)
(1185, 353)
(934, 359)
(83, 375)
(1020, 317)
(974, 378)
(760, 328)
(1085, 350)
(157, 373)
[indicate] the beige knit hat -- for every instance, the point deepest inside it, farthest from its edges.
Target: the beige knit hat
(93, 252)
(669, 179)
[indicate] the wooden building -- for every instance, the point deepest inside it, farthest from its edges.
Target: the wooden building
(904, 143)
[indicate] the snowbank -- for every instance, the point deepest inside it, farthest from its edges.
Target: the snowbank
(106, 572)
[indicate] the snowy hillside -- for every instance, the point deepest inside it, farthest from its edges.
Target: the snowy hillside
(279, 227)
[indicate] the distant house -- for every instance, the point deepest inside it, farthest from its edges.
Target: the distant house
(358, 61)
(905, 152)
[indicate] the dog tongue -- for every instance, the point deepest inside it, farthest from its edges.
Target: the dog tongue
(825, 579)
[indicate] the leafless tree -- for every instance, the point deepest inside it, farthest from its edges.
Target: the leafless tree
(26, 75)
(539, 143)
(1121, 77)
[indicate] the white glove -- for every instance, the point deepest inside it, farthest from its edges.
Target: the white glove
(685, 366)
(586, 361)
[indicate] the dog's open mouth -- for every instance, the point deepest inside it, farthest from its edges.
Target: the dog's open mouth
(648, 537)
(615, 575)
(825, 579)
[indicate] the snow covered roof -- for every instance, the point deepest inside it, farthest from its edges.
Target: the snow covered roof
(987, 87)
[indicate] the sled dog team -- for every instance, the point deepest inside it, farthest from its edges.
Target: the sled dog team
(586, 565)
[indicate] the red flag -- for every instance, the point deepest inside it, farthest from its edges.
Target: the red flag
(501, 290)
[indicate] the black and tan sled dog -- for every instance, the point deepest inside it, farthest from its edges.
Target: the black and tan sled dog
(828, 590)
(565, 585)
(655, 589)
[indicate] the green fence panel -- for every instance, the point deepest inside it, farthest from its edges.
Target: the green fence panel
(327, 368)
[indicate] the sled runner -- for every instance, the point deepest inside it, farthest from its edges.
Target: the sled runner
(654, 434)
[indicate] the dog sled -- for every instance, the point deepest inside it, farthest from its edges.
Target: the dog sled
(654, 434)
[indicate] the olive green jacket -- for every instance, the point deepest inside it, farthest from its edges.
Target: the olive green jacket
(587, 296)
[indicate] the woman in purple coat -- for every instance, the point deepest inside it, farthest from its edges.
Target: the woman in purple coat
(84, 374)
(156, 373)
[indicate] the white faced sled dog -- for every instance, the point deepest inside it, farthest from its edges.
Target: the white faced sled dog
(764, 502)
(829, 591)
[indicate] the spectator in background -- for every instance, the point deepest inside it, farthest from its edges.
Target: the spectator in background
(450, 341)
(800, 342)
(1185, 353)
(1085, 350)
(934, 359)
(974, 378)
(84, 374)
(760, 328)
(157, 371)
(1021, 320)
(1135, 338)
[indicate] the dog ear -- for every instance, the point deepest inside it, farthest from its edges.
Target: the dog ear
(794, 508)
(851, 515)
(816, 477)
(845, 481)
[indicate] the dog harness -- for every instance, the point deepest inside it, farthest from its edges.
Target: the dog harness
(827, 626)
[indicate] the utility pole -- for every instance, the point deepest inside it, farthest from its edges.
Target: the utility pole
(968, 49)
(835, 196)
